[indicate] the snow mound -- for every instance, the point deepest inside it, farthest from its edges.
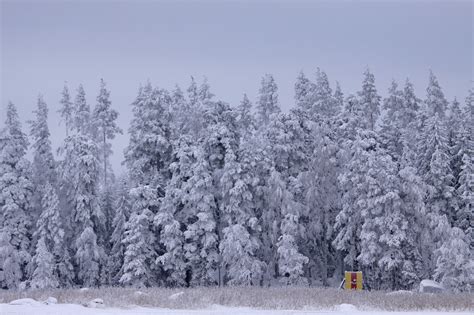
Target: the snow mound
(51, 300)
(430, 286)
(400, 292)
(84, 289)
(26, 301)
(346, 308)
(96, 303)
(176, 295)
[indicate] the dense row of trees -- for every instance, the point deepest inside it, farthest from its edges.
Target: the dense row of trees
(234, 195)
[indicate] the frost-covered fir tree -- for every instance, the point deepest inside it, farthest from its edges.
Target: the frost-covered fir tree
(369, 100)
(148, 154)
(175, 213)
(320, 204)
(338, 97)
(15, 195)
(43, 274)
(290, 261)
(82, 112)
(80, 168)
(354, 186)
(201, 245)
(67, 110)
(105, 129)
(43, 166)
(139, 268)
(435, 101)
(392, 125)
(324, 105)
(245, 119)
(121, 216)
(455, 264)
(304, 91)
(105, 126)
(52, 253)
(267, 103)
(239, 244)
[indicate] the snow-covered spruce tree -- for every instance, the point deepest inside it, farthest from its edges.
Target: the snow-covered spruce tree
(409, 123)
(384, 229)
(238, 229)
(121, 215)
(455, 263)
(392, 125)
(435, 101)
(338, 97)
(82, 113)
(245, 120)
(10, 263)
(105, 128)
(465, 193)
(51, 259)
(67, 110)
(369, 100)
(353, 185)
(324, 105)
(434, 166)
(15, 195)
(201, 239)
(148, 154)
(43, 166)
(175, 214)
(139, 268)
(267, 103)
(80, 168)
(290, 261)
(321, 204)
(43, 274)
(304, 91)
(147, 158)
(284, 146)
(407, 272)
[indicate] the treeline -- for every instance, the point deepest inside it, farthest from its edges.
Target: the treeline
(216, 194)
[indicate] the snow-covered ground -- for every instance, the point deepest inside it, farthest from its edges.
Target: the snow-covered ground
(72, 309)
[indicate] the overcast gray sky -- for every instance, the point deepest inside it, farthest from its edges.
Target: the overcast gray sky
(232, 43)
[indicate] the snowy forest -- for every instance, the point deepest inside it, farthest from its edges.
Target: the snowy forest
(244, 194)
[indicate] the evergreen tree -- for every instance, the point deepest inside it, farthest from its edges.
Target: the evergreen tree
(267, 104)
(43, 166)
(139, 268)
(245, 119)
(80, 168)
(105, 126)
(435, 102)
(304, 91)
(455, 265)
(369, 100)
(52, 255)
(15, 196)
(43, 275)
(122, 214)
(82, 112)
(67, 110)
(392, 126)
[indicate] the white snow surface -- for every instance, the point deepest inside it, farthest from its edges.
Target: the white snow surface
(73, 309)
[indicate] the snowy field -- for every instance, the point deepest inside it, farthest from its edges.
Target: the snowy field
(70, 309)
(233, 301)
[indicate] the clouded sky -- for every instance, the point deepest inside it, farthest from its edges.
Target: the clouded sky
(232, 43)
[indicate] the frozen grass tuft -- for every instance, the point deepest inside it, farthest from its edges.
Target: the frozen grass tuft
(296, 298)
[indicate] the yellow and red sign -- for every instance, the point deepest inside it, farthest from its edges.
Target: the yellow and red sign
(353, 280)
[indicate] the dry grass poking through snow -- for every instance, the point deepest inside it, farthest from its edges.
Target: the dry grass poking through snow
(263, 298)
